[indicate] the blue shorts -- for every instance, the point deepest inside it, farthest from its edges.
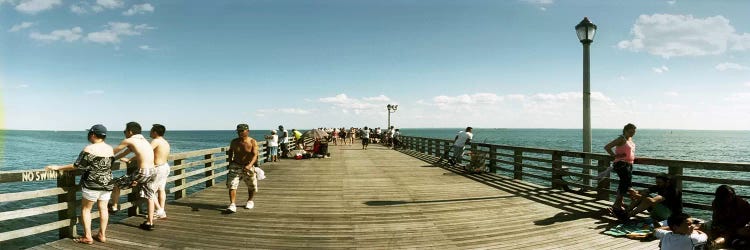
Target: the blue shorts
(273, 150)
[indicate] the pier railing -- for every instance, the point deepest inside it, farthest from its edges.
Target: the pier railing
(195, 169)
(568, 169)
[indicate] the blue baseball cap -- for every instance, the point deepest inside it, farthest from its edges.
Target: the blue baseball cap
(99, 129)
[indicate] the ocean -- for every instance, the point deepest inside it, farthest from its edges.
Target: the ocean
(23, 150)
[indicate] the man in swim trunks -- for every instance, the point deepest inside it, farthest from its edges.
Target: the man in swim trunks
(143, 177)
(161, 152)
(242, 155)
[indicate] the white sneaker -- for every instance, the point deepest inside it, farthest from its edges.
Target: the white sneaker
(232, 208)
(250, 205)
(160, 214)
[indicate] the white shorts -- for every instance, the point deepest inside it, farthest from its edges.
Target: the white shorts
(162, 172)
(95, 195)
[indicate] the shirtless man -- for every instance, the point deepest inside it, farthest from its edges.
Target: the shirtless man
(161, 152)
(143, 177)
(242, 153)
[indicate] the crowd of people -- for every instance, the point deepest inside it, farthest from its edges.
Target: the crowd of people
(148, 170)
(730, 224)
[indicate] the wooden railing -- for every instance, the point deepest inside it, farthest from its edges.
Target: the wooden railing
(565, 169)
(198, 169)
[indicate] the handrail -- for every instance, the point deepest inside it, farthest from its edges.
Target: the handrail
(186, 171)
(535, 163)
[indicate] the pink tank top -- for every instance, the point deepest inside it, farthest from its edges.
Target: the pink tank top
(628, 149)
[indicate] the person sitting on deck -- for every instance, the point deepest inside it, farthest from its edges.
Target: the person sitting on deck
(661, 200)
(731, 215)
(680, 234)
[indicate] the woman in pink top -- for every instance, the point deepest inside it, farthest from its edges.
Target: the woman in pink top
(624, 155)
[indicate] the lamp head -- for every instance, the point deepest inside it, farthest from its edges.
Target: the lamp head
(586, 31)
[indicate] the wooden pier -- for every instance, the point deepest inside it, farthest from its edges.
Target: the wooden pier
(376, 198)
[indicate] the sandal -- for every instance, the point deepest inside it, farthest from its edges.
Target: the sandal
(112, 208)
(146, 226)
(83, 240)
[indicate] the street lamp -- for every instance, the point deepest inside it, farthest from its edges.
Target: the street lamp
(586, 31)
(391, 109)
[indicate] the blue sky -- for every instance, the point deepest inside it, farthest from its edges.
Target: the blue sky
(65, 65)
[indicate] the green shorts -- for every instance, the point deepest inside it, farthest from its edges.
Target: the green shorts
(660, 212)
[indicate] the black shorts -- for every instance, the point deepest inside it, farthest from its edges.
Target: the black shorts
(624, 171)
(365, 141)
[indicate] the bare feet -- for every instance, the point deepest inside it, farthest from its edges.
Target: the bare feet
(84, 240)
(98, 237)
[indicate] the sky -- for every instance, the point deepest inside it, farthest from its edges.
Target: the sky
(209, 65)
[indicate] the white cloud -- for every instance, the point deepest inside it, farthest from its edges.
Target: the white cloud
(380, 98)
(661, 69)
(20, 26)
(541, 4)
(358, 106)
(294, 111)
(95, 92)
(730, 66)
(747, 84)
(672, 93)
(36, 6)
(621, 78)
(110, 4)
(145, 47)
(78, 9)
(139, 9)
(114, 30)
(672, 2)
(70, 35)
(743, 97)
(668, 35)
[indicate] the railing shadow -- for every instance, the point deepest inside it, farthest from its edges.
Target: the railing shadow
(392, 203)
(574, 206)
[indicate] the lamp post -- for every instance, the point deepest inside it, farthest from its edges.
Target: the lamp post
(391, 109)
(586, 31)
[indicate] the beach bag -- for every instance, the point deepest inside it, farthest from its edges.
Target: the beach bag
(259, 173)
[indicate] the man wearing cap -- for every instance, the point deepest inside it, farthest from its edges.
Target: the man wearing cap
(283, 141)
(143, 177)
(242, 155)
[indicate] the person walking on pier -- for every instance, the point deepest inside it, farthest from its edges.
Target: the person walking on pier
(143, 177)
(365, 138)
(161, 153)
(95, 160)
(624, 156)
(242, 156)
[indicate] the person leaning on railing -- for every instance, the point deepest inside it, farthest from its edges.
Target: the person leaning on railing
(95, 160)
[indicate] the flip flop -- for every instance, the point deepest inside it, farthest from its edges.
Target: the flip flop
(112, 208)
(83, 240)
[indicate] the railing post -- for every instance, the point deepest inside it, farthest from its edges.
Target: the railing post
(179, 182)
(210, 182)
(422, 147)
(518, 164)
(493, 159)
(676, 173)
(603, 185)
(429, 146)
(67, 181)
(557, 170)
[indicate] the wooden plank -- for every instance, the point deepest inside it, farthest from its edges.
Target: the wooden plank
(31, 194)
(32, 211)
(33, 230)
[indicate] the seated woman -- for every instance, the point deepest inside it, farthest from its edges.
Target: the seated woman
(661, 200)
(731, 215)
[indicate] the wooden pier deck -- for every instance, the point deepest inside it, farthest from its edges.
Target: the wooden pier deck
(378, 198)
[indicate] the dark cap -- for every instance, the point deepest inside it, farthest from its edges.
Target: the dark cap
(241, 127)
(98, 129)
